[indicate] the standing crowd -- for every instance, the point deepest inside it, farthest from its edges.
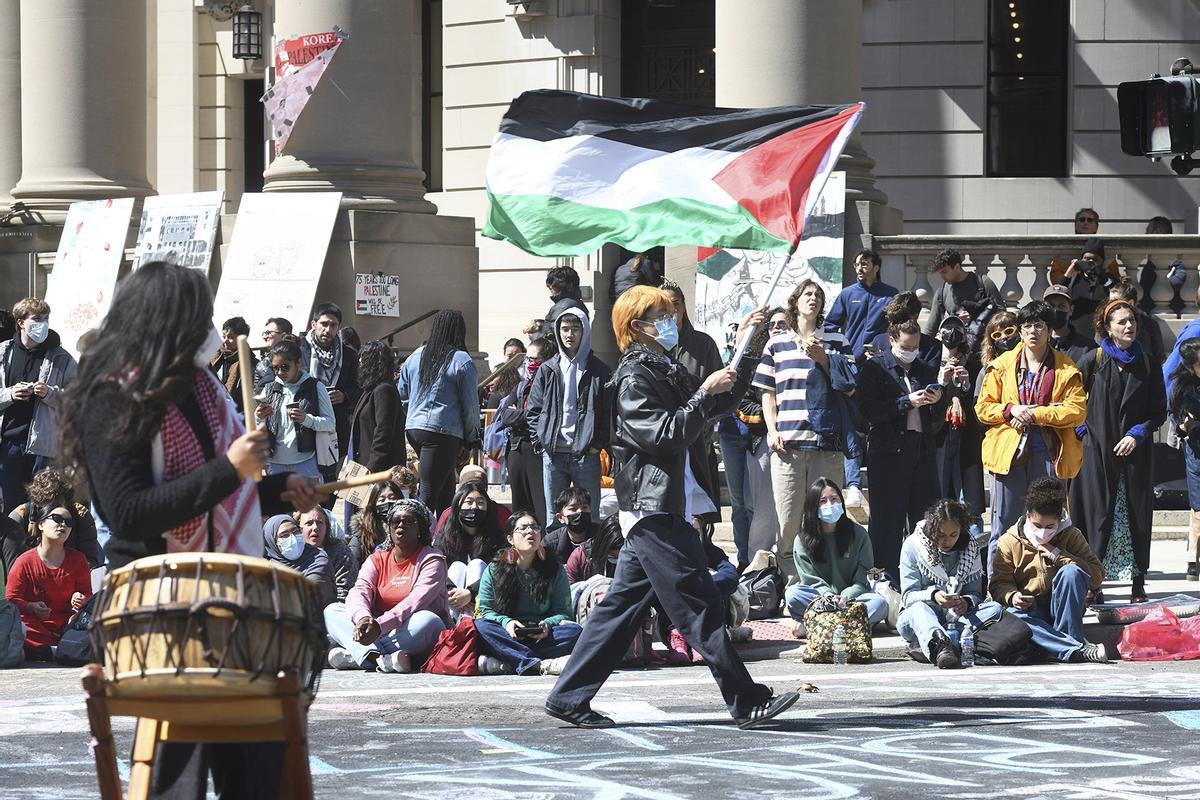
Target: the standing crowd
(1039, 420)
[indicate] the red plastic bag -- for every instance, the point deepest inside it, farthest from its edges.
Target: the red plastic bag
(456, 651)
(1161, 637)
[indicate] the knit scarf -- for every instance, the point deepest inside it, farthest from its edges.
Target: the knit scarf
(1125, 357)
(929, 558)
(325, 365)
(177, 451)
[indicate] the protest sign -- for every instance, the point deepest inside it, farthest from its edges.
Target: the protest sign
(179, 228)
(299, 64)
(376, 294)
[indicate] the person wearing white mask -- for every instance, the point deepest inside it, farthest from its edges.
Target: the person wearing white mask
(1044, 568)
(941, 582)
(34, 370)
(832, 555)
(902, 399)
(284, 542)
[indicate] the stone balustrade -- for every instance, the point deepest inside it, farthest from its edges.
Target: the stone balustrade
(1021, 265)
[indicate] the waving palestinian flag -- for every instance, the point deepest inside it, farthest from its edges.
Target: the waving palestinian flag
(569, 172)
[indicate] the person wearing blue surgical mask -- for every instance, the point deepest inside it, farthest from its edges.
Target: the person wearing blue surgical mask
(34, 370)
(832, 555)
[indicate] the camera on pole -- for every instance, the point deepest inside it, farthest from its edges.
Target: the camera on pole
(1161, 116)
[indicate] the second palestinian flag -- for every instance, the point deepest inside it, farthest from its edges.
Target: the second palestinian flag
(569, 172)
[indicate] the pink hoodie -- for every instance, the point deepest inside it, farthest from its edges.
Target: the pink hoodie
(428, 591)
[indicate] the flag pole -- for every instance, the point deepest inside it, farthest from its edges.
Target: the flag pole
(750, 333)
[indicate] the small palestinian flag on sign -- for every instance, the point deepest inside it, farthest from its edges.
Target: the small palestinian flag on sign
(569, 172)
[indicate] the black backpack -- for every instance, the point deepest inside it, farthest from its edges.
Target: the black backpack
(1005, 641)
(765, 589)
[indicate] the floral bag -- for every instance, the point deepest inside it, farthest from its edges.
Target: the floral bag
(822, 618)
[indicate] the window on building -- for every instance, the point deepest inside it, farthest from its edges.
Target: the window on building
(431, 91)
(1028, 46)
(667, 51)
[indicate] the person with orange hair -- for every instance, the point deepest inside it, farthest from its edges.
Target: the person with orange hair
(660, 410)
(1112, 499)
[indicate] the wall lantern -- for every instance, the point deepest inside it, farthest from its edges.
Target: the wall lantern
(247, 34)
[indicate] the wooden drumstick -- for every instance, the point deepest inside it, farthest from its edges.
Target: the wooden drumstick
(247, 373)
(348, 483)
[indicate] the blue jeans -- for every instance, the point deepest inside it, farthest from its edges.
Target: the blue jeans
(735, 453)
(562, 469)
(525, 657)
(306, 467)
(799, 597)
(416, 636)
(1058, 625)
(1008, 496)
(920, 621)
(1191, 462)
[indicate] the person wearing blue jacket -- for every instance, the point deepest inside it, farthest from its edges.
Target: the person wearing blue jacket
(439, 387)
(857, 311)
(941, 582)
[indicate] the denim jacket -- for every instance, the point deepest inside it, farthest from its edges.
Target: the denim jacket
(450, 405)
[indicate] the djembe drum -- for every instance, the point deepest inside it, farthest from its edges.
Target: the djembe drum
(205, 647)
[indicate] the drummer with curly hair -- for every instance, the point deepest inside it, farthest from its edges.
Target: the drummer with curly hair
(171, 469)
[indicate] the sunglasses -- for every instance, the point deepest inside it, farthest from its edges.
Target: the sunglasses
(777, 326)
(1004, 333)
(1087, 219)
(280, 368)
(59, 519)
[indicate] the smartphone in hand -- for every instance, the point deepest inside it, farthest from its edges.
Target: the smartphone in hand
(528, 630)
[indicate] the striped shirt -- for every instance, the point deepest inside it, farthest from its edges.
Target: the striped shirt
(784, 370)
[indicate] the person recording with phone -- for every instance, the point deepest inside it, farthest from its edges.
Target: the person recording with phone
(903, 400)
(1088, 281)
(295, 407)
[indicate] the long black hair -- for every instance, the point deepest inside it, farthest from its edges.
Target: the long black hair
(811, 538)
(449, 335)
(160, 316)
(609, 537)
(376, 364)
(1183, 378)
(506, 575)
(456, 543)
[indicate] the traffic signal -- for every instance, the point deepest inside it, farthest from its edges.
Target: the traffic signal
(1159, 116)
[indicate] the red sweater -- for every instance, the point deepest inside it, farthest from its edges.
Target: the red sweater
(31, 581)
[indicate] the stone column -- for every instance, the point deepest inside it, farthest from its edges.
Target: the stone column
(356, 135)
(83, 104)
(10, 98)
(792, 52)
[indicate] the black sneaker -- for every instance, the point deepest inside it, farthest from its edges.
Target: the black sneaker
(1093, 653)
(942, 652)
(581, 717)
(763, 712)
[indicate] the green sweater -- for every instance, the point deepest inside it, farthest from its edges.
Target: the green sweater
(837, 575)
(556, 609)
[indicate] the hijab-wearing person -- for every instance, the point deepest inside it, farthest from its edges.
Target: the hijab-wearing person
(393, 615)
(283, 541)
(941, 582)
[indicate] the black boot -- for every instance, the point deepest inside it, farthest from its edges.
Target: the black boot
(1193, 571)
(942, 652)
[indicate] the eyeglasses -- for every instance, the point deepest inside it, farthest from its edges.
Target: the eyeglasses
(1086, 218)
(1033, 327)
(1004, 333)
(279, 369)
(59, 519)
(528, 526)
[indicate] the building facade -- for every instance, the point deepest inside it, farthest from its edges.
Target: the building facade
(974, 128)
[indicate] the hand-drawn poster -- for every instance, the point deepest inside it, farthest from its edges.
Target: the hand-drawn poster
(299, 64)
(179, 228)
(85, 267)
(275, 258)
(731, 283)
(376, 294)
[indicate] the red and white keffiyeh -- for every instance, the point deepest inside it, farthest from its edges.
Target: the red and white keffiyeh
(176, 451)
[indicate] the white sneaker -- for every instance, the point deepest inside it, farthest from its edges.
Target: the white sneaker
(494, 666)
(553, 666)
(395, 662)
(854, 498)
(340, 658)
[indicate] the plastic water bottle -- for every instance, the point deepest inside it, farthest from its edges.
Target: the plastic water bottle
(967, 642)
(839, 645)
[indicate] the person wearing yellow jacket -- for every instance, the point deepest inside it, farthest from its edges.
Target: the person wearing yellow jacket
(1031, 401)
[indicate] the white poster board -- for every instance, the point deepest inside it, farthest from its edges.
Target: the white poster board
(376, 294)
(179, 228)
(275, 258)
(89, 256)
(731, 283)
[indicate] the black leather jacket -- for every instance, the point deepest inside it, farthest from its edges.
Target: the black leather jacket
(659, 410)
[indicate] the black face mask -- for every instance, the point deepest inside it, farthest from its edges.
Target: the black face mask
(1004, 345)
(578, 523)
(554, 298)
(471, 517)
(1060, 319)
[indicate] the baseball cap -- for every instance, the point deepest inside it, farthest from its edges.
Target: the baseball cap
(1058, 289)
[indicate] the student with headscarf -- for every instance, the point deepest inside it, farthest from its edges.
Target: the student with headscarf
(393, 615)
(284, 542)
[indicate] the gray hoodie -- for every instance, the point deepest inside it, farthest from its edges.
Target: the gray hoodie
(568, 407)
(572, 373)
